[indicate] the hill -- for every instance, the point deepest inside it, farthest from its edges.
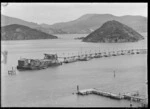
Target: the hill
(20, 32)
(113, 32)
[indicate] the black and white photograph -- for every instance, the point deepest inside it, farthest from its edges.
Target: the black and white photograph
(91, 54)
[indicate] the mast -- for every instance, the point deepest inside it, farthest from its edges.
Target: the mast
(114, 74)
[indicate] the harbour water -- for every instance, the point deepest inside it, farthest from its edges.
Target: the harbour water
(56, 86)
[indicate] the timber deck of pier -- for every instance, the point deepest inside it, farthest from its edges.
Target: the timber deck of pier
(82, 57)
(88, 56)
(110, 95)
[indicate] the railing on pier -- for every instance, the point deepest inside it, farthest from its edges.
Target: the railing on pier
(88, 56)
(110, 95)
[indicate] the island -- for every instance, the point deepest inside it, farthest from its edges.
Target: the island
(113, 32)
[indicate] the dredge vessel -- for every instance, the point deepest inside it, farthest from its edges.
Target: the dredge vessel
(37, 64)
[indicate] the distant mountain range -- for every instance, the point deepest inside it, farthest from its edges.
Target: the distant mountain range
(83, 25)
(90, 22)
(5, 20)
(113, 32)
(20, 32)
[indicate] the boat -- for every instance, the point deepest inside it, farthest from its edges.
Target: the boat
(37, 64)
(97, 55)
(122, 53)
(132, 52)
(105, 55)
(84, 58)
(12, 72)
(69, 59)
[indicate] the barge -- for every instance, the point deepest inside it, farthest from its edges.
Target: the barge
(37, 64)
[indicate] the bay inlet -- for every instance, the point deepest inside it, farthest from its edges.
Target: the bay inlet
(56, 86)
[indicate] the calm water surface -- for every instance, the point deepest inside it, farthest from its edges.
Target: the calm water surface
(55, 86)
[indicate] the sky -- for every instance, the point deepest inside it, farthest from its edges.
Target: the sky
(51, 13)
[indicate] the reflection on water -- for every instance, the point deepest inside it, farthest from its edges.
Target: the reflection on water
(55, 86)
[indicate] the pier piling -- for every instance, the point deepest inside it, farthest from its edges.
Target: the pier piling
(90, 55)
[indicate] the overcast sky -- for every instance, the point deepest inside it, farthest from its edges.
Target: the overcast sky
(61, 12)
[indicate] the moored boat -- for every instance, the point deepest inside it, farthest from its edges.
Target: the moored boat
(37, 64)
(70, 59)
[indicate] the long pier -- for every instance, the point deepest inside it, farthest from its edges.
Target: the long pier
(88, 56)
(110, 95)
(53, 58)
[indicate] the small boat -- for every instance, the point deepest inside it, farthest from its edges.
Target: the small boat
(105, 55)
(84, 59)
(97, 55)
(70, 59)
(12, 72)
(122, 53)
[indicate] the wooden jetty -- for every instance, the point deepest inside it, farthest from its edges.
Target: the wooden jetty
(133, 97)
(98, 92)
(89, 56)
(110, 95)
(52, 59)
